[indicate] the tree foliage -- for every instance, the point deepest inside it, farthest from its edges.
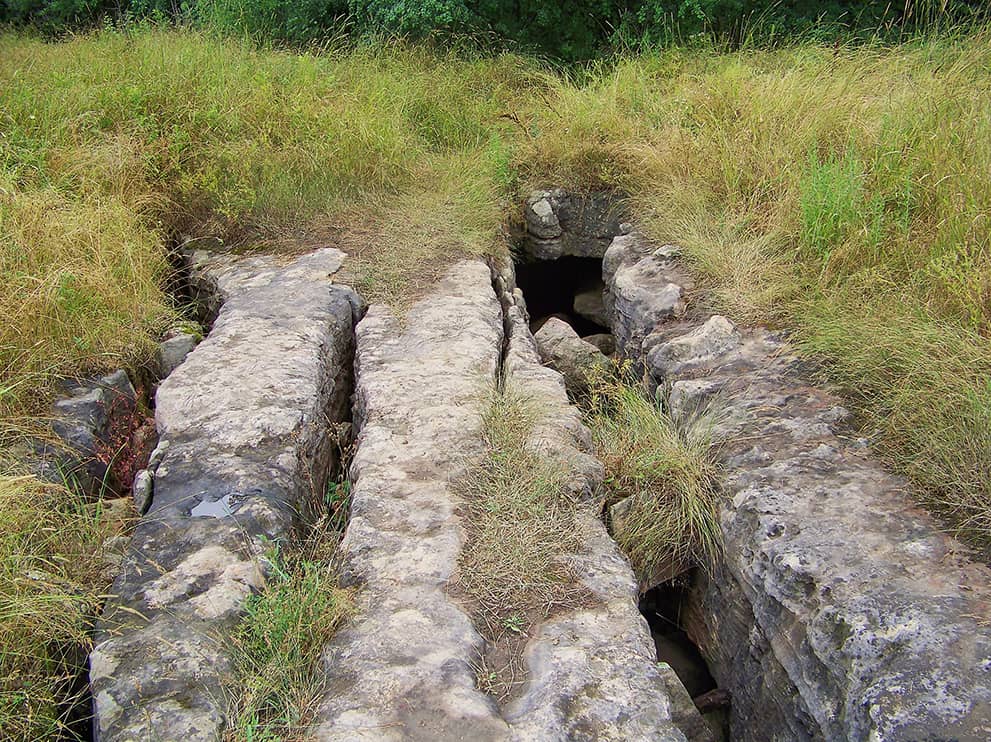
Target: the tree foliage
(575, 30)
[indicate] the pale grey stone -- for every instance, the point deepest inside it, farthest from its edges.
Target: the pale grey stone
(242, 422)
(141, 491)
(170, 353)
(642, 292)
(592, 672)
(562, 349)
(840, 610)
(589, 304)
(401, 670)
(559, 223)
(704, 344)
(83, 419)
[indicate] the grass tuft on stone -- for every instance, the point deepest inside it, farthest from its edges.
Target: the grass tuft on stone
(520, 529)
(663, 471)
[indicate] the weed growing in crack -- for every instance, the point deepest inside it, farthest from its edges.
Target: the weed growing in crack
(278, 642)
(661, 470)
(521, 526)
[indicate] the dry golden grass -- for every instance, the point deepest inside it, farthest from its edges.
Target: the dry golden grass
(663, 469)
(520, 527)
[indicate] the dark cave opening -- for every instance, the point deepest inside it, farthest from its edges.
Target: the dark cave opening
(550, 288)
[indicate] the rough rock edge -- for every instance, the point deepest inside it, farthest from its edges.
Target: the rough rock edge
(840, 610)
(592, 672)
(244, 417)
(558, 223)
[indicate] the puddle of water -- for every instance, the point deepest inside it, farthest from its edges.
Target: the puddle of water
(222, 508)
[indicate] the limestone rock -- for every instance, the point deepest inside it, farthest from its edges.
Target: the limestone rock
(141, 491)
(562, 349)
(243, 442)
(83, 419)
(840, 611)
(170, 353)
(560, 223)
(683, 711)
(591, 671)
(420, 393)
(604, 341)
(705, 344)
(642, 291)
(589, 304)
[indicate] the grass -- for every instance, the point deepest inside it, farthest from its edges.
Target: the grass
(838, 192)
(114, 144)
(51, 580)
(520, 527)
(663, 468)
(278, 642)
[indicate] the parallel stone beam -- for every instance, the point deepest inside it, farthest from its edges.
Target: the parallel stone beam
(401, 670)
(840, 611)
(243, 457)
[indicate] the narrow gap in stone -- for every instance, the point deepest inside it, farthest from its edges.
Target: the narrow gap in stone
(665, 607)
(566, 288)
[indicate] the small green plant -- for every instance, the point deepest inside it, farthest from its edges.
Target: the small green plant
(278, 642)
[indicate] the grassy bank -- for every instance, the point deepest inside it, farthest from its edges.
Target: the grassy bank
(837, 192)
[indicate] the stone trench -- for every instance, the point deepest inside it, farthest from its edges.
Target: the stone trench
(838, 610)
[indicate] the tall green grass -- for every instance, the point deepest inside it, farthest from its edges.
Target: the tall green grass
(113, 144)
(839, 192)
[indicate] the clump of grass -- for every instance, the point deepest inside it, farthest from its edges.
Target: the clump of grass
(51, 585)
(663, 470)
(277, 644)
(520, 528)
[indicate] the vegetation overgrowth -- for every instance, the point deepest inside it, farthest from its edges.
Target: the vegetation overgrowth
(520, 526)
(277, 645)
(661, 469)
(839, 191)
(576, 30)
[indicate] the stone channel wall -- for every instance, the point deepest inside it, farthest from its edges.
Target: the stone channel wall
(244, 452)
(403, 669)
(839, 610)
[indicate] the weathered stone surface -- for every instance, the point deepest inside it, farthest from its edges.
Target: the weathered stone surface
(604, 341)
(592, 673)
(560, 223)
(589, 304)
(243, 455)
(643, 290)
(401, 670)
(172, 352)
(141, 490)
(840, 611)
(83, 419)
(561, 348)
